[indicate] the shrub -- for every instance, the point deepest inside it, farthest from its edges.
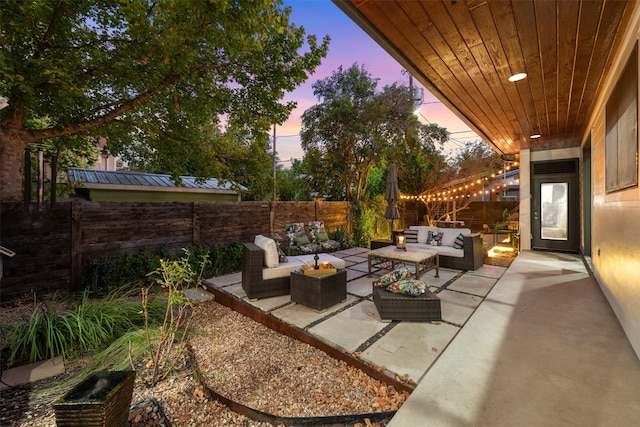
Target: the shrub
(175, 277)
(90, 325)
(108, 273)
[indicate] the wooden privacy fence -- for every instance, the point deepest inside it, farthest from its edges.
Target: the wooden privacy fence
(53, 246)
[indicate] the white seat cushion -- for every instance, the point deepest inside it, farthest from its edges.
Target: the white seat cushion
(442, 250)
(282, 270)
(295, 262)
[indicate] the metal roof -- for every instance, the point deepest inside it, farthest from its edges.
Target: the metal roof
(93, 177)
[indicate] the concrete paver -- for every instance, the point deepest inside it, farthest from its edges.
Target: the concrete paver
(302, 316)
(472, 284)
(221, 281)
(362, 286)
(457, 307)
(350, 328)
(410, 348)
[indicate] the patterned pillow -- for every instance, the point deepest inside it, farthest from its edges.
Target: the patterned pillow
(393, 277)
(438, 238)
(411, 236)
(459, 242)
(411, 287)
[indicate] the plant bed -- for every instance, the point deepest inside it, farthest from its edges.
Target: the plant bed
(240, 359)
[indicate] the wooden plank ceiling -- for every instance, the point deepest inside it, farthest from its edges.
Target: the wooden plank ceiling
(464, 51)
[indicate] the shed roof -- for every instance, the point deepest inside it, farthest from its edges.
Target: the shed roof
(92, 178)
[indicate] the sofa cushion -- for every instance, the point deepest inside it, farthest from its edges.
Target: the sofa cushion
(442, 250)
(284, 269)
(270, 250)
(423, 230)
(450, 235)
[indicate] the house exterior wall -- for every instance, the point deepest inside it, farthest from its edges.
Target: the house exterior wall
(615, 219)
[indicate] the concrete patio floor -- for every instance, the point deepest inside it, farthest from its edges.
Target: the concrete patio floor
(533, 345)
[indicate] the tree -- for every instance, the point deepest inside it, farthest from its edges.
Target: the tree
(341, 135)
(153, 78)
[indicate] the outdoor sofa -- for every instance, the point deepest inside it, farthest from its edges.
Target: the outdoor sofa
(467, 253)
(264, 275)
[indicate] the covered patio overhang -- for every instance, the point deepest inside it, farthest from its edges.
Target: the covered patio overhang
(464, 53)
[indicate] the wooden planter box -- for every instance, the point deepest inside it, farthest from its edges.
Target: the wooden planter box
(101, 400)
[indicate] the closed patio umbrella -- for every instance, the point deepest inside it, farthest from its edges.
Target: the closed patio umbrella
(392, 195)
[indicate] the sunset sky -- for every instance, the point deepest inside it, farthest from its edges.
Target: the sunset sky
(349, 45)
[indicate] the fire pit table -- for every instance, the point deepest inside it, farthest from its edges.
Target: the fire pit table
(319, 292)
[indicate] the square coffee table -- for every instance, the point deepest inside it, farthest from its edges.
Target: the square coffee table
(319, 292)
(387, 257)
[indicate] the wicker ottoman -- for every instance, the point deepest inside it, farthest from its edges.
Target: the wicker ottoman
(392, 306)
(319, 292)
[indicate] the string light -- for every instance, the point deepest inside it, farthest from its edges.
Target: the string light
(466, 188)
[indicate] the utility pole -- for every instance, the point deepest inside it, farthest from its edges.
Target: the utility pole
(274, 162)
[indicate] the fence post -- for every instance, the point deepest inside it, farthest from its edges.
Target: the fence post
(75, 281)
(195, 223)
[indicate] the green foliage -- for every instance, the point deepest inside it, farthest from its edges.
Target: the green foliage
(342, 236)
(225, 260)
(108, 273)
(350, 137)
(341, 135)
(364, 224)
(89, 326)
(505, 215)
(153, 79)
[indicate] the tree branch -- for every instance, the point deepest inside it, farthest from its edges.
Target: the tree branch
(107, 118)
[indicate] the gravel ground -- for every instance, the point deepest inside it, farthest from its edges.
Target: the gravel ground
(239, 359)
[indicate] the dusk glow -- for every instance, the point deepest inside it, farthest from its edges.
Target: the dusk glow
(349, 45)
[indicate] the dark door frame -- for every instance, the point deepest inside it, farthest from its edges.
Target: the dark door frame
(549, 172)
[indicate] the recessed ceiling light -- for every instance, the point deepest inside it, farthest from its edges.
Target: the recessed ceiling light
(518, 77)
(535, 136)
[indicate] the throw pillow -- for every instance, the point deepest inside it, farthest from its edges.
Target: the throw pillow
(411, 287)
(270, 250)
(301, 240)
(411, 236)
(438, 238)
(459, 242)
(430, 238)
(393, 277)
(322, 237)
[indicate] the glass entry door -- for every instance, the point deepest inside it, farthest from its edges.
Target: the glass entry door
(554, 210)
(555, 219)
